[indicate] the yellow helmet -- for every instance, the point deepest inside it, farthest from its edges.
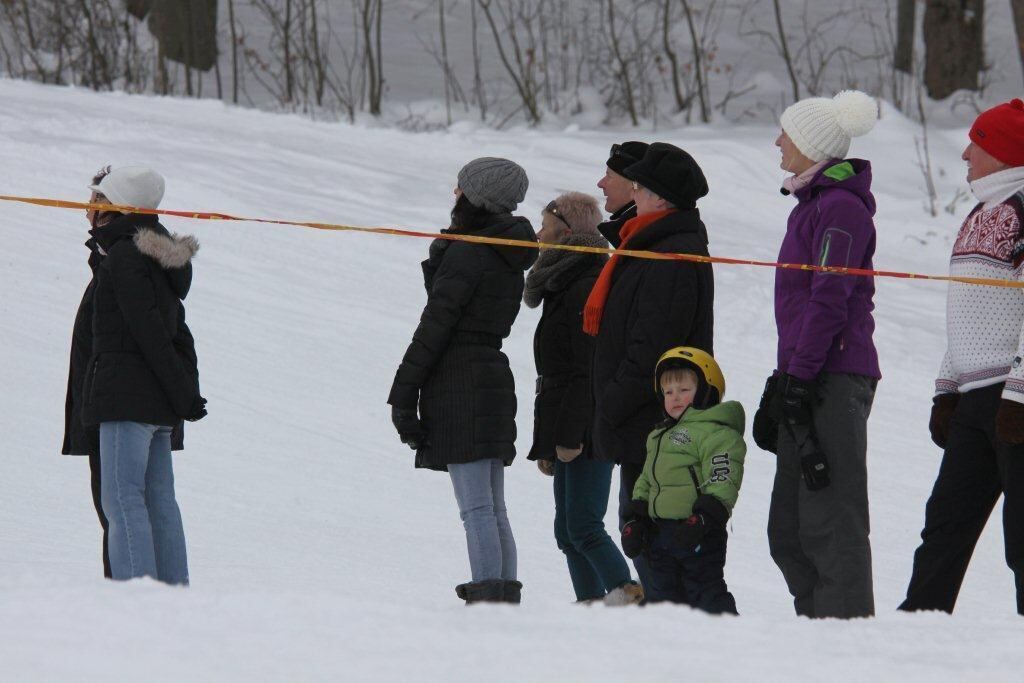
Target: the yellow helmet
(703, 363)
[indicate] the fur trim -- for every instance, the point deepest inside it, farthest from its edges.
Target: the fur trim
(556, 268)
(170, 251)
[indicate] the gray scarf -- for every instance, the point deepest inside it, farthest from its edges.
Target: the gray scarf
(556, 268)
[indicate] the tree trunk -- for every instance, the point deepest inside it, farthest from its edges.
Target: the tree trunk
(953, 46)
(1018, 22)
(681, 102)
(903, 57)
(234, 52)
(698, 66)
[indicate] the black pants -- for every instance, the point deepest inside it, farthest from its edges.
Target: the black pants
(688, 576)
(976, 468)
(628, 474)
(94, 472)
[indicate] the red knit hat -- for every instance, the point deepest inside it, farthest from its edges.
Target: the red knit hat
(1000, 132)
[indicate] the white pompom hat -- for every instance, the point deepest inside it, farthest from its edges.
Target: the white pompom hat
(137, 186)
(821, 128)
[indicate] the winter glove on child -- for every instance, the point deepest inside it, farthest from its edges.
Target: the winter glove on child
(198, 410)
(798, 397)
(943, 406)
(408, 425)
(766, 419)
(1010, 422)
(637, 530)
(708, 513)
(567, 454)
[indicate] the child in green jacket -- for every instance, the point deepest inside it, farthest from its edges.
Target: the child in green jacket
(689, 485)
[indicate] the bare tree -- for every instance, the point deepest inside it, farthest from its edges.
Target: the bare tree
(783, 46)
(906, 13)
(370, 12)
(1018, 23)
(623, 71)
(521, 67)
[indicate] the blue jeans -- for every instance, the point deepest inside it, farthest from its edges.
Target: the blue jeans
(137, 492)
(581, 500)
(480, 493)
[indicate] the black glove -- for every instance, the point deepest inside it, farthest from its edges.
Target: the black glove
(1010, 422)
(635, 535)
(766, 419)
(636, 532)
(197, 411)
(798, 396)
(943, 406)
(410, 429)
(708, 513)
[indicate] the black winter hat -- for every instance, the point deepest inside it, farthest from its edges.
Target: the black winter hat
(670, 173)
(626, 153)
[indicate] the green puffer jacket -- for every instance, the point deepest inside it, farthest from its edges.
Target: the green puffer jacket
(706, 445)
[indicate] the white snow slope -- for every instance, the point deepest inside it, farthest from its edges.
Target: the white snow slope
(317, 552)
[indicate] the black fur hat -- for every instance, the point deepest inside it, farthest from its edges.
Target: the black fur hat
(670, 173)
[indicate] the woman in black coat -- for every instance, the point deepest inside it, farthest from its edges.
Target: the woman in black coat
(79, 439)
(456, 375)
(142, 377)
(561, 281)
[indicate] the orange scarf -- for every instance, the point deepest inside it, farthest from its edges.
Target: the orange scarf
(594, 309)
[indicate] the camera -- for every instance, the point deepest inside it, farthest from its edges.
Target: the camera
(816, 470)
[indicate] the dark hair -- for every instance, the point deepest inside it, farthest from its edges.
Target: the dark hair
(467, 217)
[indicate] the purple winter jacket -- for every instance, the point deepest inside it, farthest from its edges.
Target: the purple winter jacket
(824, 319)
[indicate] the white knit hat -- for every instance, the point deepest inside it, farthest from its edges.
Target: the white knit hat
(821, 128)
(137, 186)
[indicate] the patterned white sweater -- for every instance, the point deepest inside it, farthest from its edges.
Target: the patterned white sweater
(985, 325)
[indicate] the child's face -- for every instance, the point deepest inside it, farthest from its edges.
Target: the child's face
(679, 394)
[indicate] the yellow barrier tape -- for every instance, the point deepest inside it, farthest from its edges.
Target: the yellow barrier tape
(497, 241)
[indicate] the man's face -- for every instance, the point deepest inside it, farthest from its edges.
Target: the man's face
(980, 163)
(617, 190)
(647, 201)
(679, 394)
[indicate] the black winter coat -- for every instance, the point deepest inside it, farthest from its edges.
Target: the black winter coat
(652, 307)
(610, 228)
(143, 363)
(79, 439)
(563, 353)
(454, 368)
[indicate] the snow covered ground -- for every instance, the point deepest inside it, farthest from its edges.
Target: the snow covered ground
(317, 552)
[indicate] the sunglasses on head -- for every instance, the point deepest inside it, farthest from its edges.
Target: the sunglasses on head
(553, 209)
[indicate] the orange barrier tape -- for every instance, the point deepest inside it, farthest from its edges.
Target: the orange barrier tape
(208, 216)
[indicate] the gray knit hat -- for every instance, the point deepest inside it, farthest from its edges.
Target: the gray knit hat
(497, 185)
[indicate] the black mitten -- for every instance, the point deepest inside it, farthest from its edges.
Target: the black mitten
(407, 423)
(197, 411)
(766, 420)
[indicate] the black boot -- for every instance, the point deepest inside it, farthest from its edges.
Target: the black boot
(513, 592)
(491, 590)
